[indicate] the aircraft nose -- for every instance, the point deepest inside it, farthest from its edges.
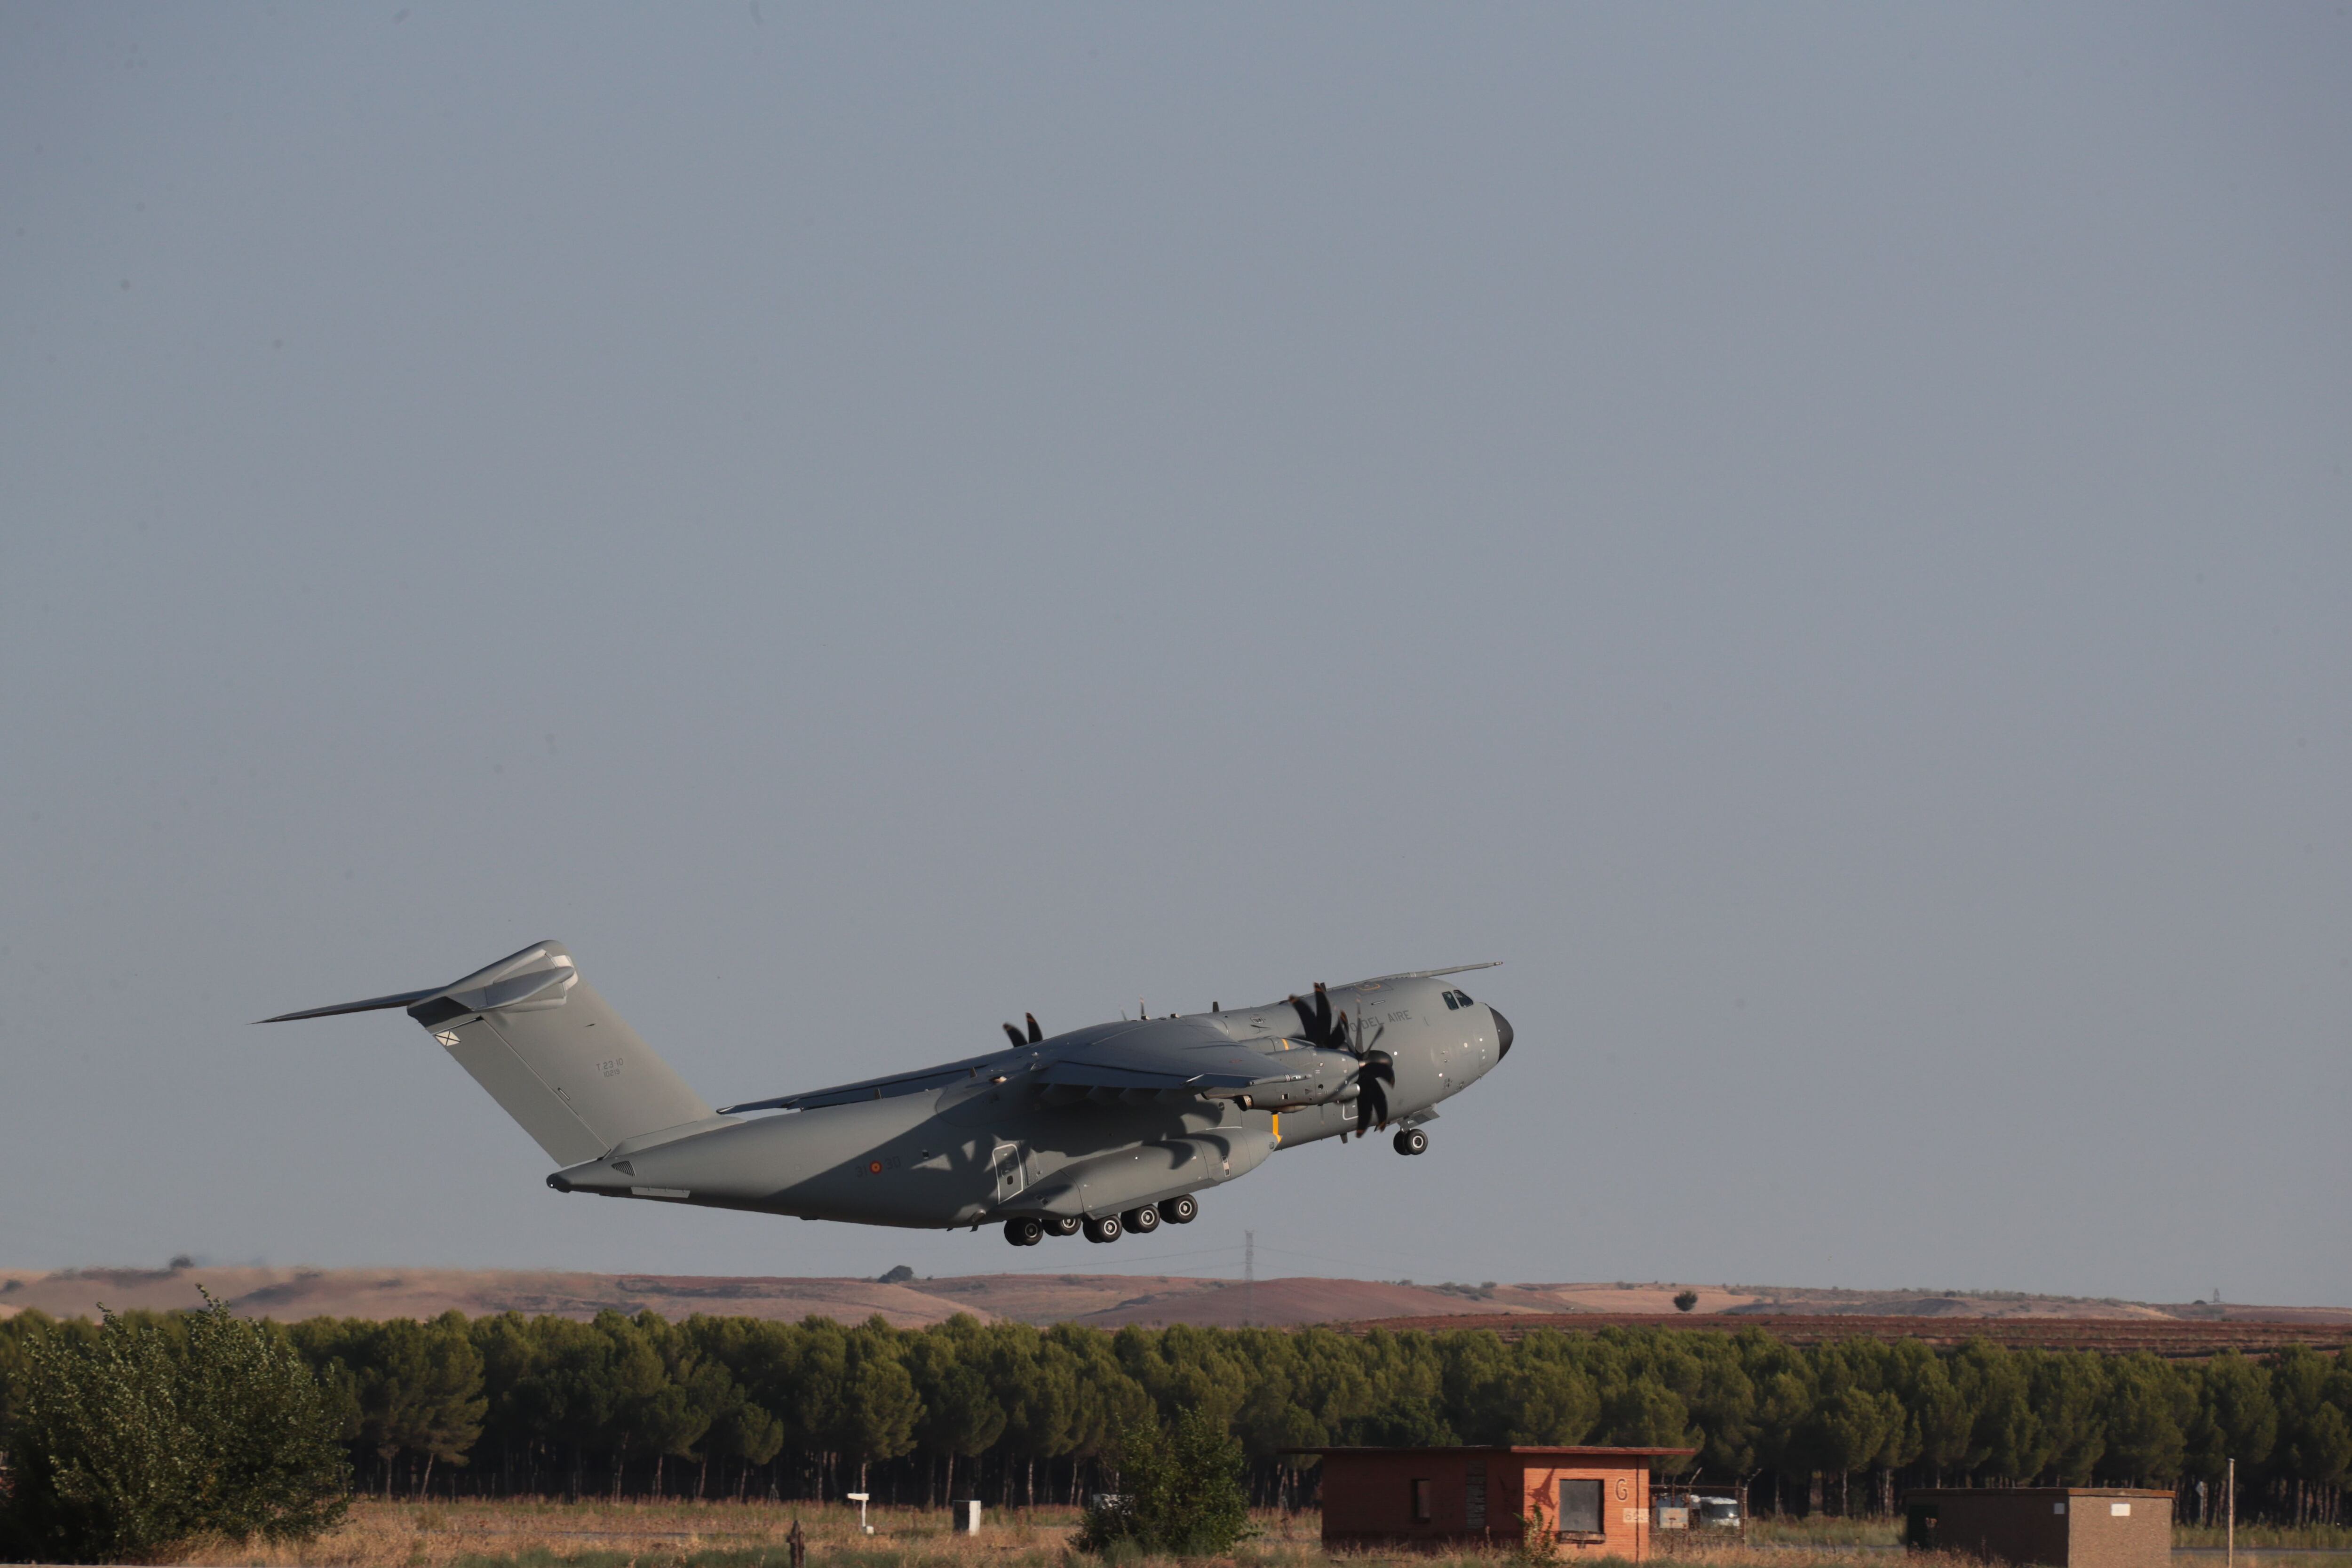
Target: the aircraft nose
(1502, 1034)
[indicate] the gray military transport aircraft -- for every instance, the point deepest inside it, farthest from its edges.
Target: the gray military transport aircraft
(1111, 1128)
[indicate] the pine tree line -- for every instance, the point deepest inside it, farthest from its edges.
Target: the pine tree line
(744, 1407)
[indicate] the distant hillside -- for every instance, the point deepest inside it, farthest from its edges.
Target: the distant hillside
(1108, 1300)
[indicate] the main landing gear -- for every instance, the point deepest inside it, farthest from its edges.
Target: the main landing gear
(1025, 1231)
(1410, 1140)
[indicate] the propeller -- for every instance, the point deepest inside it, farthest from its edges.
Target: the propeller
(1317, 1024)
(1321, 1026)
(1036, 1034)
(1372, 1099)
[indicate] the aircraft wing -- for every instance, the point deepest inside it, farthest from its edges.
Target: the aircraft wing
(1162, 1054)
(1173, 1054)
(888, 1087)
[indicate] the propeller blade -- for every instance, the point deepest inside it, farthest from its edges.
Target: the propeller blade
(1372, 1099)
(1315, 1024)
(1036, 1034)
(1014, 1036)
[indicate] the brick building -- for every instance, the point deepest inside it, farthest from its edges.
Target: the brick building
(1595, 1501)
(2065, 1527)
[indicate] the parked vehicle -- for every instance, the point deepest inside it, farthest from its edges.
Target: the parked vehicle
(1695, 1510)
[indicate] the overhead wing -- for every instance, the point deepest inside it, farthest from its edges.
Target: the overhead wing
(1170, 1053)
(1432, 973)
(888, 1087)
(1162, 1054)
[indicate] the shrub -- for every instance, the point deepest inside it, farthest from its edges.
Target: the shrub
(1179, 1492)
(134, 1438)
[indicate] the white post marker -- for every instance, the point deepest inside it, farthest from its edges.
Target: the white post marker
(859, 1498)
(966, 1515)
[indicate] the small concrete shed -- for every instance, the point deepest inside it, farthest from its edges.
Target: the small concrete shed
(2065, 1527)
(1595, 1501)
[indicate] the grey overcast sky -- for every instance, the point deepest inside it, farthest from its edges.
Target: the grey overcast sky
(1817, 533)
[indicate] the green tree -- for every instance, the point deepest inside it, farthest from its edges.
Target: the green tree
(2069, 1397)
(2237, 1418)
(1723, 1406)
(2313, 1396)
(2006, 1438)
(696, 1390)
(419, 1392)
(1851, 1428)
(1180, 1490)
(879, 1410)
(142, 1434)
(1939, 1420)
(2149, 1408)
(962, 1418)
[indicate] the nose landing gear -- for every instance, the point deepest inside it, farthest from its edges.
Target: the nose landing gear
(1410, 1140)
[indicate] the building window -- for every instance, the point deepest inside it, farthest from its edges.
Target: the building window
(1474, 1497)
(1421, 1503)
(1580, 1507)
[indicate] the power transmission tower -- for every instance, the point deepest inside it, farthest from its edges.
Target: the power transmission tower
(1249, 1278)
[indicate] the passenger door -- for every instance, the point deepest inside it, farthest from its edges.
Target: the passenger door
(1009, 1177)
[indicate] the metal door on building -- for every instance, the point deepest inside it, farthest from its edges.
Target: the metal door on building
(1580, 1507)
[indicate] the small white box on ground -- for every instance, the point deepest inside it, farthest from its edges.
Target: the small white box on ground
(966, 1513)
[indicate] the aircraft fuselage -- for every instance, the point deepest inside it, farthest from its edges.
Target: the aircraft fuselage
(1000, 1142)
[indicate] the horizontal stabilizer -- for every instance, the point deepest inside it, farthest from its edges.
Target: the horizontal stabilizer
(372, 1005)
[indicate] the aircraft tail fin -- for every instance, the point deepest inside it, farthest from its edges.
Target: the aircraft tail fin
(551, 1051)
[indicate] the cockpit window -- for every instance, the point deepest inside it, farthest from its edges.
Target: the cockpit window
(1450, 1003)
(1462, 997)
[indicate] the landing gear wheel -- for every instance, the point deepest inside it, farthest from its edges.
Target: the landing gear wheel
(1143, 1221)
(1023, 1232)
(1180, 1211)
(1412, 1140)
(1062, 1225)
(1103, 1227)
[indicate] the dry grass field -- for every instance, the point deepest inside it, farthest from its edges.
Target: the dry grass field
(1104, 1300)
(752, 1535)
